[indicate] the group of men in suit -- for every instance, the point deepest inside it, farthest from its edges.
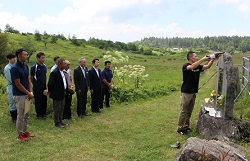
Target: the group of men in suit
(22, 83)
(93, 80)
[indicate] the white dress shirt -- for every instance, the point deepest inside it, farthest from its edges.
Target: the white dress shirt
(64, 79)
(96, 69)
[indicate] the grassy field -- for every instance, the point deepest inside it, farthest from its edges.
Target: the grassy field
(139, 130)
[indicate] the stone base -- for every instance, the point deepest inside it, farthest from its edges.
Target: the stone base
(219, 129)
(196, 149)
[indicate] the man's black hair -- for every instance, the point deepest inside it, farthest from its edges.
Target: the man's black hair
(10, 56)
(94, 60)
(19, 51)
(60, 61)
(190, 54)
(38, 55)
(56, 57)
(106, 62)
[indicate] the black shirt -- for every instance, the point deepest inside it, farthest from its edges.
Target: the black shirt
(108, 75)
(190, 79)
(19, 71)
(39, 75)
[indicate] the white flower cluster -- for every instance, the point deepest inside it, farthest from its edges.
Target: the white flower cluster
(136, 72)
(132, 71)
(116, 58)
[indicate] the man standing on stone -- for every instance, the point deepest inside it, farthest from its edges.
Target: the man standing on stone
(58, 89)
(13, 112)
(107, 79)
(38, 78)
(68, 99)
(95, 86)
(22, 90)
(81, 80)
(191, 75)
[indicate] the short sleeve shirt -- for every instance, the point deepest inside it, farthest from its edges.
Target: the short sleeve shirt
(190, 79)
(19, 71)
(108, 75)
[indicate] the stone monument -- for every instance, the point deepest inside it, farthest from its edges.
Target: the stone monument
(216, 119)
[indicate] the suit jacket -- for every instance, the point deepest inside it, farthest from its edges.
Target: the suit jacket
(56, 86)
(81, 82)
(94, 80)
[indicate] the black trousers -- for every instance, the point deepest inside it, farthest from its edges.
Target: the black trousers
(96, 100)
(40, 102)
(67, 107)
(106, 94)
(58, 110)
(81, 102)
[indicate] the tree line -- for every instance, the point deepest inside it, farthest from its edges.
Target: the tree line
(146, 46)
(221, 43)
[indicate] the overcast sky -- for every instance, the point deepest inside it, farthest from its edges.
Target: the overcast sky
(128, 20)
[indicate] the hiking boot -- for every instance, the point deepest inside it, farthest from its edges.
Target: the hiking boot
(183, 132)
(22, 137)
(188, 130)
(27, 134)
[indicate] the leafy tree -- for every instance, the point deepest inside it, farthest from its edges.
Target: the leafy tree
(45, 40)
(29, 47)
(148, 51)
(54, 39)
(141, 50)
(132, 47)
(45, 34)
(244, 45)
(38, 36)
(75, 41)
(3, 49)
(10, 29)
(61, 36)
(69, 37)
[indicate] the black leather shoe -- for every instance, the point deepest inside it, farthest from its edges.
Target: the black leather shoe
(59, 125)
(64, 124)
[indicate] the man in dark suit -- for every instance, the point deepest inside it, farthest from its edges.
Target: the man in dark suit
(58, 89)
(95, 86)
(81, 79)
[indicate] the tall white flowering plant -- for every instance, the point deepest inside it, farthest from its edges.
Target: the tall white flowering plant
(115, 58)
(126, 73)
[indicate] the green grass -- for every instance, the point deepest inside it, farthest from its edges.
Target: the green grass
(139, 130)
(142, 130)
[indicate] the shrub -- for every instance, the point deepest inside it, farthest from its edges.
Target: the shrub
(129, 94)
(3, 84)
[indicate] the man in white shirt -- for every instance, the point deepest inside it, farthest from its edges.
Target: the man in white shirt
(58, 89)
(95, 86)
(56, 63)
